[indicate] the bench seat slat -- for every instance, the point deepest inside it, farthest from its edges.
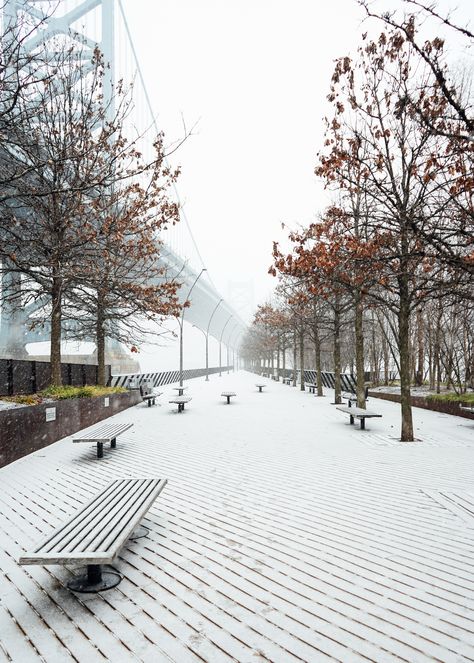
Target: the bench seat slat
(61, 533)
(103, 433)
(357, 412)
(108, 541)
(103, 521)
(98, 538)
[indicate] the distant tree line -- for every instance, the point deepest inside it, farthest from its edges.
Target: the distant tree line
(384, 276)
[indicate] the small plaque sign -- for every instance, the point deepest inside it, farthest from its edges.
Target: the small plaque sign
(50, 414)
(106, 401)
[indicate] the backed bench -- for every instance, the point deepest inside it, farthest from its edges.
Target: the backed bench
(149, 395)
(95, 534)
(358, 413)
(102, 434)
(288, 380)
(312, 387)
(352, 398)
(181, 401)
(228, 395)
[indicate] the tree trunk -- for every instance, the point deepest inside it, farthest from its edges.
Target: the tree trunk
(100, 341)
(337, 354)
(404, 351)
(295, 351)
(302, 357)
(317, 359)
(359, 348)
(55, 341)
(278, 361)
(420, 334)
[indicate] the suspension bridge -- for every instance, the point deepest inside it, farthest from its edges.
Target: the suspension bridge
(88, 24)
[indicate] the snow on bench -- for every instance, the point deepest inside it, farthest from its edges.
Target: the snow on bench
(181, 401)
(149, 396)
(228, 395)
(105, 433)
(95, 534)
(260, 387)
(358, 413)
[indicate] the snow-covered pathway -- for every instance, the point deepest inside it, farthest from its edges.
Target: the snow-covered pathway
(284, 534)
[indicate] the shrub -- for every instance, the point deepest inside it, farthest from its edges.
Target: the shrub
(88, 391)
(467, 398)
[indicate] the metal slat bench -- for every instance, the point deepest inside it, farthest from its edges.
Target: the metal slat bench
(95, 534)
(228, 395)
(358, 413)
(102, 434)
(181, 401)
(149, 395)
(351, 397)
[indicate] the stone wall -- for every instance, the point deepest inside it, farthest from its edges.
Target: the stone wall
(27, 429)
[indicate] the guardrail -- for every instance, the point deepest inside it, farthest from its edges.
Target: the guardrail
(348, 382)
(159, 379)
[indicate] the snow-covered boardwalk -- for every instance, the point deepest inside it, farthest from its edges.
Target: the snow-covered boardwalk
(284, 534)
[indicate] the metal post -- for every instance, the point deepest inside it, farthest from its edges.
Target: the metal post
(207, 338)
(220, 345)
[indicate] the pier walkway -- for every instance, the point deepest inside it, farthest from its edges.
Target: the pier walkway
(284, 535)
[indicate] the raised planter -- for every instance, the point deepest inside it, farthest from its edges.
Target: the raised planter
(427, 404)
(27, 429)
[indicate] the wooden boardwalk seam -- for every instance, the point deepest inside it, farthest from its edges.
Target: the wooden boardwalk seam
(284, 543)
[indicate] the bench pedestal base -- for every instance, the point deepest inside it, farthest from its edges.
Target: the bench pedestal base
(94, 580)
(139, 532)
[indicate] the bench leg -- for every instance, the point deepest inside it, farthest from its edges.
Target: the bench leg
(362, 423)
(351, 418)
(100, 449)
(228, 400)
(149, 402)
(113, 443)
(94, 580)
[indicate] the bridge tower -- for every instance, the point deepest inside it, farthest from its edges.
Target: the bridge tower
(74, 23)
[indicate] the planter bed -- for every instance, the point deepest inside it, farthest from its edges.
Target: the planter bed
(27, 429)
(426, 404)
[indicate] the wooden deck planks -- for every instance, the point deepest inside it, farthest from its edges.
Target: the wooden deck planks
(258, 549)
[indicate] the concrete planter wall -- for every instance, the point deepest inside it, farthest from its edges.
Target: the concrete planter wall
(27, 429)
(426, 404)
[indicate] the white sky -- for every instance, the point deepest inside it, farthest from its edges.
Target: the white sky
(255, 73)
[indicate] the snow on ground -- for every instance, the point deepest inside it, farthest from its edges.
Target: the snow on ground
(284, 534)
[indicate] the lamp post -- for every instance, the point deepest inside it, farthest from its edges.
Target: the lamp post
(220, 345)
(181, 324)
(207, 338)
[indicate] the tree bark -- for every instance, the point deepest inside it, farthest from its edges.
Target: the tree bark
(420, 335)
(302, 357)
(359, 348)
(56, 321)
(295, 354)
(317, 359)
(100, 341)
(404, 352)
(337, 354)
